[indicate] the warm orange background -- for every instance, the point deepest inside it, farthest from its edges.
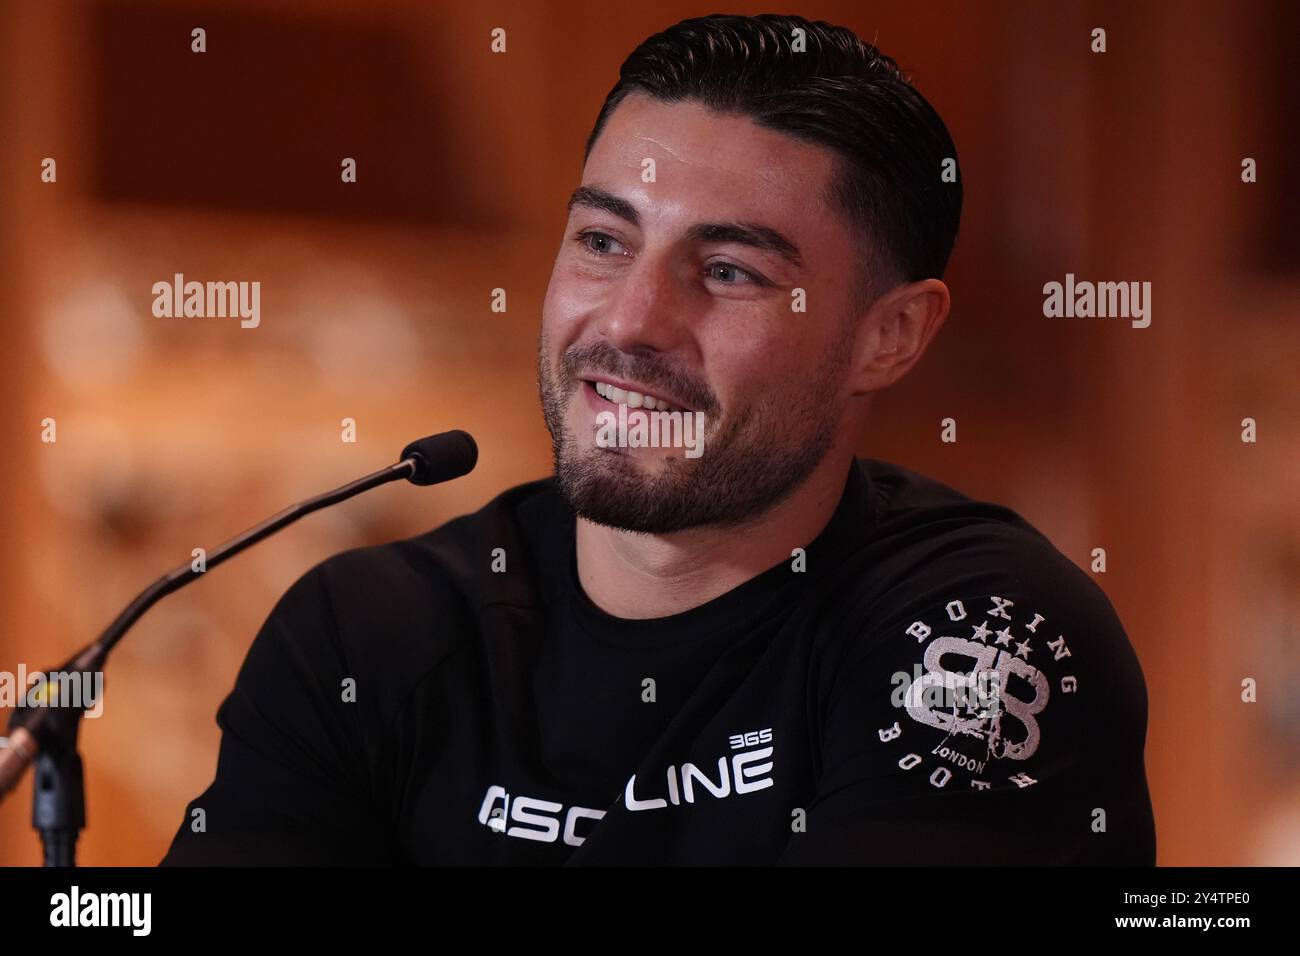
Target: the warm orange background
(174, 434)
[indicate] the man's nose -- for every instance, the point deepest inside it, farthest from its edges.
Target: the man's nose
(648, 309)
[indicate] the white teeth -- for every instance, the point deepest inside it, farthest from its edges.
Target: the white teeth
(631, 399)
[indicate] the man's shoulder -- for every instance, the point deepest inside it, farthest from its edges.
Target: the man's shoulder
(904, 500)
(425, 591)
(387, 614)
(925, 530)
(974, 658)
(952, 583)
(470, 556)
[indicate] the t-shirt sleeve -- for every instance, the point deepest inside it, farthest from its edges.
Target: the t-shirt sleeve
(993, 714)
(292, 785)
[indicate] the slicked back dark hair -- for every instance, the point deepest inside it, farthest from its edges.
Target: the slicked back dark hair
(840, 93)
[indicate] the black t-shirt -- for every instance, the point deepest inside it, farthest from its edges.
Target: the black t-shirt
(928, 682)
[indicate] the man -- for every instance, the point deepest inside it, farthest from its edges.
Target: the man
(741, 644)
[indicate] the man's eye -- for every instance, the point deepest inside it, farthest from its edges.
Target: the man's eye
(729, 274)
(597, 243)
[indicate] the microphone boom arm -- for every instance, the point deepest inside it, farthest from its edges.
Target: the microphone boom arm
(47, 734)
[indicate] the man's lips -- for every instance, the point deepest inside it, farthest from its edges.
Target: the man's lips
(613, 392)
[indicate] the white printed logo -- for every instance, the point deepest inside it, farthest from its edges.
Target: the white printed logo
(944, 660)
(740, 772)
(999, 647)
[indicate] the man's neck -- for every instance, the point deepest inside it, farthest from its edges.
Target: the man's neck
(642, 576)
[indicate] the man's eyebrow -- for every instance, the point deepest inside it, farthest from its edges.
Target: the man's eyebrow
(747, 234)
(742, 233)
(596, 198)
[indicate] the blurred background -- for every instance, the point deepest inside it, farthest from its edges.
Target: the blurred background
(178, 433)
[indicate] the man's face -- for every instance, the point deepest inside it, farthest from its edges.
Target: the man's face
(644, 298)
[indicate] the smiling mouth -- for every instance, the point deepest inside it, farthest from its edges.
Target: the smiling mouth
(632, 399)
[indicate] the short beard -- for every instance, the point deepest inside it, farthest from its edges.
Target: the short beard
(760, 457)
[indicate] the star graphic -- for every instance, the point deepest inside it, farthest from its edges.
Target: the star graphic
(982, 632)
(1022, 650)
(1004, 636)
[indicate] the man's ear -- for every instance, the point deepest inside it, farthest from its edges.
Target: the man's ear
(896, 331)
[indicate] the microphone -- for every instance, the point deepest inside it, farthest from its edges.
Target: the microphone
(441, 457)
(53, 730)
